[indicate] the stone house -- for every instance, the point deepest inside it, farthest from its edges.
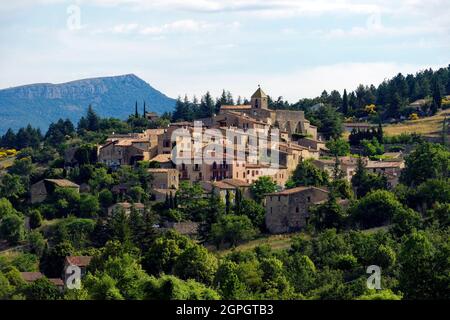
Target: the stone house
(30, 277)
(391, 169)
(123, 152)
(347, 165)
(164, 178)
(187, 228)
(42, 189)
(288, 211)
(228, 185)
(126, 207)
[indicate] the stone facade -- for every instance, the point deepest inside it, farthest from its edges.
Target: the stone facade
(164, 178)
(289, 121)
(287, 211)
(42, 189)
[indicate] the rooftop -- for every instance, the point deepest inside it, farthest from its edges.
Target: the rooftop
(80, 261)
(287, 192)
(259, 94)
(162, 158)
(158, 170)
(31, 276)
(128, 205)
(384, 164)
(63, 183)
(236, 107)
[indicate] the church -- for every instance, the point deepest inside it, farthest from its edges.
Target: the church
(258, 114)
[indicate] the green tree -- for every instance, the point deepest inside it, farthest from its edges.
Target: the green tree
(422, 274)
(207, 106)
(12, 229)
(6, 208)
(196, 263)
(106, 198)
(345, 102)
(52, 261)
(232, 229)
(328, 215)
(306, 174)
(13, 187)
(89, 206)
(164, 252)
(376, 209)
(427, 161)
(35, 219)
(172, 288)
(92, 119)
(42, 289)
(363, 182)
(36, 242)
(338, 147)
(255, 212)
(261, 187)
(102, 287)
(22, 167)
(372, 147)
(228, 282)
(301, 272)
(329, 122)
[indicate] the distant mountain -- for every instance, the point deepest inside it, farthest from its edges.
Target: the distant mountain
(41, 104)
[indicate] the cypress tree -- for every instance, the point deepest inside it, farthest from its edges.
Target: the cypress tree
(228, 202)
(136, 113)
(145, 111)
(345, 102)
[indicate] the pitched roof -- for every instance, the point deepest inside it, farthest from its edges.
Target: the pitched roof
(80, 261)
(259, 94)
(287, 192)
(160, 170)
(384, 164)
(236, 183)
(63, 183)
(237, 107)
(222, 185)
(57, 282)
(162, 158)
(128, 205)
(31, 276)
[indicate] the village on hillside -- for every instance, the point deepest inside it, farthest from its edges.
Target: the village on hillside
(250, 188)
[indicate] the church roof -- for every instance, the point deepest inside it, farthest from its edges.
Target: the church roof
(259, 94)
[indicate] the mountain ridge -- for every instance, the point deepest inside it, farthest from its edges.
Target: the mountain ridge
(110, 96)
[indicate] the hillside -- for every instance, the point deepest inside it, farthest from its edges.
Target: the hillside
(41, 104)
(429, 126)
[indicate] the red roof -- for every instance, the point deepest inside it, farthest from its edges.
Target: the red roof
(31, 276)
(80, 261)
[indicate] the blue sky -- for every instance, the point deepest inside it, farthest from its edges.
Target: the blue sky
(294, 49)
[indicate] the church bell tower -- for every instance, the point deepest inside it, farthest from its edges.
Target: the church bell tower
(259, 100)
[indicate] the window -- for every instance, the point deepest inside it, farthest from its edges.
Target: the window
(296, 210)
(309, 199)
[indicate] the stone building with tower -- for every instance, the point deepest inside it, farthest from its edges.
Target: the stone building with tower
(258, 112)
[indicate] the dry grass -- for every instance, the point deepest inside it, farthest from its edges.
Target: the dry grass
(430, 126)
(6, 163)
(276, 242)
